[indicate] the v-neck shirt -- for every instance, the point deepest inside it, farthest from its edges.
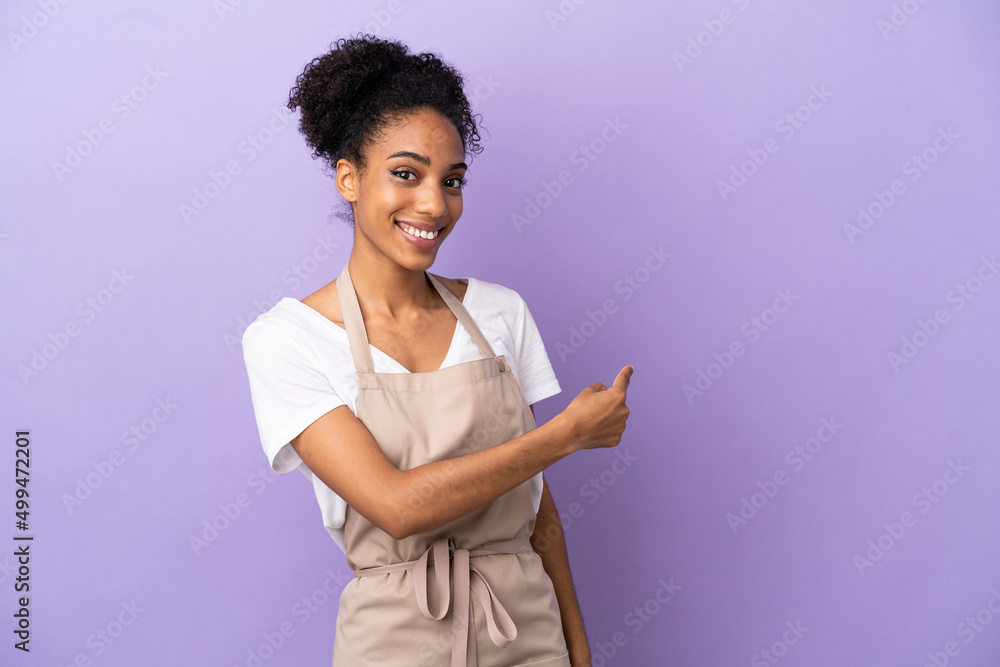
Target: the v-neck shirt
(401, 367)
(300, 367)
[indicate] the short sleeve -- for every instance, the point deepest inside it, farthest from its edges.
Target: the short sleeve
(288, 390)
(538, 380)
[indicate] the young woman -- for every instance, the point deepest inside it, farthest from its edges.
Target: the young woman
(404, 396)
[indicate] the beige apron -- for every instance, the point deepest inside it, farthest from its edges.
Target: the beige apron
(410, 603)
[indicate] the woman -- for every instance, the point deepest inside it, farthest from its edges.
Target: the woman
(405, 411)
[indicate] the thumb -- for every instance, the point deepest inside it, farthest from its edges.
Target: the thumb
(624, 375)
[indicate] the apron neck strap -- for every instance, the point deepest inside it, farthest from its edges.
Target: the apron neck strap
(463, 316)
(358, 336)
(354, 323)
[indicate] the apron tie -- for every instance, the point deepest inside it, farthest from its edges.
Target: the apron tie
(440, 556)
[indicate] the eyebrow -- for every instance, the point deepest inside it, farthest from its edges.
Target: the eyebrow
(426, 161)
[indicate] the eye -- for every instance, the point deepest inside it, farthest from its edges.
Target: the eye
(403, 173)
(457, 182)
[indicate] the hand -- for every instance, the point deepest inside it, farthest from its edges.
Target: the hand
(596, 417)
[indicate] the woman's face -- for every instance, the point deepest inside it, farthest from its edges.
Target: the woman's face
(413, 179)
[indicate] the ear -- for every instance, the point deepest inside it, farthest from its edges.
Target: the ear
(347, 180)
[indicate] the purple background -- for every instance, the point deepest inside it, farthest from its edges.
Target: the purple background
(546, 89)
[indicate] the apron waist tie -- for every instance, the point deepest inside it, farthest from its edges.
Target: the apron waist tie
(467, 578)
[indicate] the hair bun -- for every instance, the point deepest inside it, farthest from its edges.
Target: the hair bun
(348, 93)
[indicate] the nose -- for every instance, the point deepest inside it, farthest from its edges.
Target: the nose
(430, 200)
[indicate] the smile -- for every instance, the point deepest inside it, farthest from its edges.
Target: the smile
(413, 231)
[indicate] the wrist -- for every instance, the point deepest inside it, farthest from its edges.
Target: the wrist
(564, 432)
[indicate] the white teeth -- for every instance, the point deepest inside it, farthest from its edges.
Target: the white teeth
(416, 232)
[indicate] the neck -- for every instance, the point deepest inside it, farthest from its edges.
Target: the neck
(387, 288)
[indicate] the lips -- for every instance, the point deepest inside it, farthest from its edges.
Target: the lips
(417, 239)
(420, 231)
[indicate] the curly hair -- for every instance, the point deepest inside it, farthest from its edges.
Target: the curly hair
(354, 91)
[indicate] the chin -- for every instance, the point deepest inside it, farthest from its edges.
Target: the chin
(421, 263)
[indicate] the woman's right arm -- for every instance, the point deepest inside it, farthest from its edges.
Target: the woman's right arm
(341, 451)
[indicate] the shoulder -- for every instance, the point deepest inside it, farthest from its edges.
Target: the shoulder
(457, 286)
(484, 295)
(496, 306)
(288, 321)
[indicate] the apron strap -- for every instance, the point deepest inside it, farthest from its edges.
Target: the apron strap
(467, 579)
(354, 323)
(358, 336)
(463, 316)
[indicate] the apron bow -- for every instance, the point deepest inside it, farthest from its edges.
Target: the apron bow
(441, 555)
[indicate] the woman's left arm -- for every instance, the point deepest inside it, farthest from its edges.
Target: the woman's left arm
(549, 542)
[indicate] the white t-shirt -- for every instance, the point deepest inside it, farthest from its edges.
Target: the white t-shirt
(300, 367)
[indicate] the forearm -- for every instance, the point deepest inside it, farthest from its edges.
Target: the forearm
(549, 542)
(433, 494)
